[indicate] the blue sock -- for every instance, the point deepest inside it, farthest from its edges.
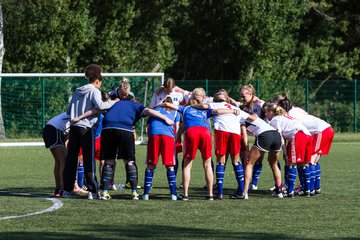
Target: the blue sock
(256, 172)
(220, 173)
(176, 166)
(239, 173)
(149, 174)
(318, 176)
(307, 177)
(313, 176)
(286, 173)
(301, 174)
(291, 178)
(80, 174)
(172, 181)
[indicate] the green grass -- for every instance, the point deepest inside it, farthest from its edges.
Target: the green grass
(334, 214)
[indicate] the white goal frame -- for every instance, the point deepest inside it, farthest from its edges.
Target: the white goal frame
(148, 75)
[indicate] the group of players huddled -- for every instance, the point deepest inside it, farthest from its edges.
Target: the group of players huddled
(179, 122)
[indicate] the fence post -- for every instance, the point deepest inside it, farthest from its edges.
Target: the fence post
(307, 95)
(355, 106)
(206, 86)
(43, 100)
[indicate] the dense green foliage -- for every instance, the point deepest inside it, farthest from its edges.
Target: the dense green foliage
(280, 43)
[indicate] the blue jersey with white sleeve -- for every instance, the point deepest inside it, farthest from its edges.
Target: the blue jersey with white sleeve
(123, 115)
(195, 117)
(159, 127)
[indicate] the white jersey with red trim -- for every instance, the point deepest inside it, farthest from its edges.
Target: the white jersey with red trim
(314, 124)
(175, 96)
(257, 127)
(256, 109)
(227, 122)
(288, 126)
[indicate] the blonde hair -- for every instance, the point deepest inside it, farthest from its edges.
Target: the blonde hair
(276, 109)
(125, 86)
(221, 92)
(250, 88)
(168, 99)
(196, 91)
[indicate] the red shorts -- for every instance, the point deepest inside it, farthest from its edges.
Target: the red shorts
(227, 142)
(197, 138)
(161, 144)
(299, 148)
(322, 141)
(97, 149)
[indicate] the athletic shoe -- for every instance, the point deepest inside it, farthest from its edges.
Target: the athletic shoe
(290, 194)
(81, 192)
(135, 196)
(58, 192)
(214, 186)
(272, 188)
(92, 196)
(210, 198)
(180, 186)
(71, 194)
(175, 197)
(219, 197)
(253, 187)
(317, 191)
(113, 187)
(145, 197)
(312, 193)
(128, 186)
(278, 195)
(185, 198)
(105, 196)
(238, 195)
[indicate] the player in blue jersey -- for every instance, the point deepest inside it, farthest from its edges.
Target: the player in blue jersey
(161, 141)
(117, 141)
(197, 136)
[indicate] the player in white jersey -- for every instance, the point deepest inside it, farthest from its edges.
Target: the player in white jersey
(322, 133)
(55, 135)
(267, 140)
(227, 140)
(167, 89)
(254, 104)
(298, 150)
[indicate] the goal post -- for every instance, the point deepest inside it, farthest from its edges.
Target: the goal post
(29, 100)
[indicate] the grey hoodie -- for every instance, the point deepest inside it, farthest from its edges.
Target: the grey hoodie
(84, 99)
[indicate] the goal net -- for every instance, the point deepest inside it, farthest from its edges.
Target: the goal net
(28, 101)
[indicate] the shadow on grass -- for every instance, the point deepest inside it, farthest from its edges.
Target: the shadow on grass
(143, 231)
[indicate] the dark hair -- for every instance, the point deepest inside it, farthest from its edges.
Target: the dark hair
(169, 83)
(93, 72)
(285, 103)
(105, 96)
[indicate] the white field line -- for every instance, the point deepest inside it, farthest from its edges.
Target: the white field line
(56, 205)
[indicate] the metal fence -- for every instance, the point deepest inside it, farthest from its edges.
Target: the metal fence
(28, 103)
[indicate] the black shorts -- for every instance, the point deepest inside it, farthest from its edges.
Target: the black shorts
(268, 141)
(117, 144)
(53, 137)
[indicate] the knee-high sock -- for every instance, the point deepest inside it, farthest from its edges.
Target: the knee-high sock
(307, 177)
(239, 174)
(318, 176)
(286, 174)
(256, 172)
(313, 176)
(176, 166)
(172, 181)
(107, 176)
(220, 173)
(80, 174)
(291, 178)
(132, 172)
(149, 174)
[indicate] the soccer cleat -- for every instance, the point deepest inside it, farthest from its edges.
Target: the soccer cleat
(312, 193)
(180, 186)
(290, 194)
(70, 194)
(219, 197)
(135, 196)
(278, 195)
(210, 198)
(82, 192)
(105, 196)
(272, 188)
(175, 197)
(92, 196)
(145, 197)
(317, 191)
(58, 192)
(113, 187)
(238, 195)
(128, 186)
(185, 198)
(253, 187)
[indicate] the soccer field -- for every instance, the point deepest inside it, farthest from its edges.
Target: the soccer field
(334, 214)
